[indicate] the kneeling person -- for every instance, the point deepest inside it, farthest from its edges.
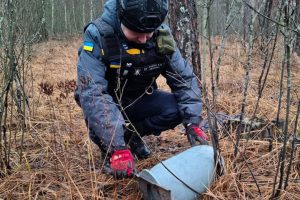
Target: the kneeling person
(123, 53)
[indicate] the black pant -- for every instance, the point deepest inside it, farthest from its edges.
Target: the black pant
(150, 114)
(154, 113)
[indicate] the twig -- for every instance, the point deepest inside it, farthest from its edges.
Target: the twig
(229, 21)
(261, 87)
(213, 123)
(294, 147)
(276, 22)
(246, 83)
(288, 103)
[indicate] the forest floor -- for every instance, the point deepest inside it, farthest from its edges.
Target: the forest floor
(60, 162)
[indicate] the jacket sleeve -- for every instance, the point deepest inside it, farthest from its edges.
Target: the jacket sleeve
(183, 83)
(102, 115)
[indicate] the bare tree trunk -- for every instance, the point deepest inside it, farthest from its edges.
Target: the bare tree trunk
(253, 17)
(91, 10)
(15, 40)
(83, 14)
(265, 22)
(74, 17)
(297, 14)
(66, 17)
(244, 24)
(212, 123)
(52, 16)
(9, 72)
(288, 44)
(44, 31)
(232, 12)
(183, 22)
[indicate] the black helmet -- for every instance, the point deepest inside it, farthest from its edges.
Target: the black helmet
(142, 16)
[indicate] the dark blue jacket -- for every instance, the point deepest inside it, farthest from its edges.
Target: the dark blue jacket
(101, 112)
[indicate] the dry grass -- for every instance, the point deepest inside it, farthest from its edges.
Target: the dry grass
(62, 163)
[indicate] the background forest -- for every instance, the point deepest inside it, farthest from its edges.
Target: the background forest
(246, 54)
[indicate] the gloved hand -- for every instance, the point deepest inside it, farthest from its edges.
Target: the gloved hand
(194, 134)
(122, 164)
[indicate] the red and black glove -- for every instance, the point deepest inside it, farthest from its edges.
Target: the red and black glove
(194, 134)
(122, 164)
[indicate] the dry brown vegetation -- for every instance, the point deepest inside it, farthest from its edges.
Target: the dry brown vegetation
(60, 162)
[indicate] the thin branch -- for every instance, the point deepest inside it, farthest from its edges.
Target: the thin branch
(213, 125)
(294, 147)
(288, 101)
(272, 20)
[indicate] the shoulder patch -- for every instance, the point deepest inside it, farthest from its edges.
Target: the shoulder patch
(88, 46)
(165, 42)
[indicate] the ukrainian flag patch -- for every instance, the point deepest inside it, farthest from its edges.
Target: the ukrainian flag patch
(88, 46)
(115, 65)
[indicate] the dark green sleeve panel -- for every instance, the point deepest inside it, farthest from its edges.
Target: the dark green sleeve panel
(165, 42)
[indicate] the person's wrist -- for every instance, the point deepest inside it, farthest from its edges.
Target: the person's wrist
(189, 125)
(123, 147)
